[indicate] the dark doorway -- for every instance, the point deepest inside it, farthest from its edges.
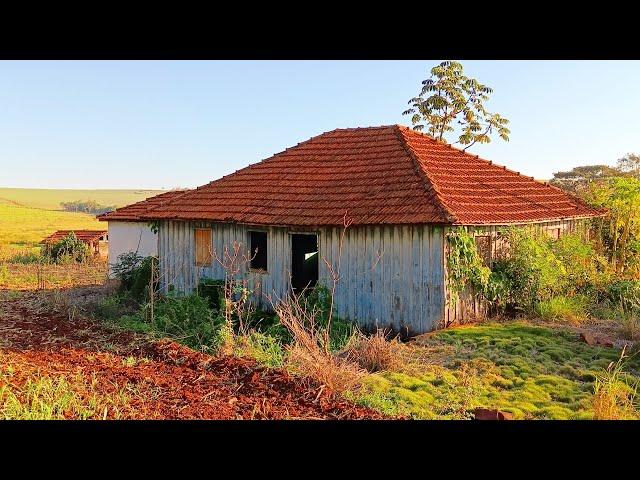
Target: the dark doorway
(304, 261)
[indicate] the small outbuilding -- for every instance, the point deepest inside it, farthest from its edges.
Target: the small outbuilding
(129, 233)
(401, 193)
(97, 240)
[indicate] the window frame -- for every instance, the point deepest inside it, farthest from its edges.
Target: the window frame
(252, 268)
(209, 260)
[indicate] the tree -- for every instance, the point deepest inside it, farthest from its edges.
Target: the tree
(630, 165)
(579, 180)
(455, 97)
(621, 196)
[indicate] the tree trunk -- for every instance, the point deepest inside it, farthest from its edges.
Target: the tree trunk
(623, 243)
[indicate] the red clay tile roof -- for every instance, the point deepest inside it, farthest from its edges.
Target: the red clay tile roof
(378, 175)
(133, 212)
(86, 236)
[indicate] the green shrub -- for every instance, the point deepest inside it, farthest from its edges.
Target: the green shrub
(188, 319)
(25, 258)
(125, 267)
(115, 306)
(531, 271)
(141, 278)
(464, 264)
(579, 260)
(213, 291)
(67, 250)
(564, 308)
(624, 294)
(134, 272)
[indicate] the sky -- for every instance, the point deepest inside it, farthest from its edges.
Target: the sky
(168, 124)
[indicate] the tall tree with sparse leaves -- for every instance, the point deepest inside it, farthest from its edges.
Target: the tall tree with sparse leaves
(630, 165)
(448, 96)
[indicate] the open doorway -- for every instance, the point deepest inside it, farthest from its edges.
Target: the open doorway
(304, 261)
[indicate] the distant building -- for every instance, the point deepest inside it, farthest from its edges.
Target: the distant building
(97, 240)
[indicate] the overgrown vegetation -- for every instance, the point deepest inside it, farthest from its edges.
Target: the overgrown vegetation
(567, 278)
(67, 250)
(615, 393)
(529, 371)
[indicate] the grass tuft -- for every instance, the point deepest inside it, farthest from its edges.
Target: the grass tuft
(563, 308)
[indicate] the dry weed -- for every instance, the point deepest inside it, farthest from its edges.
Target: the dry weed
(614, 396)
(309, 354)
(376, 353)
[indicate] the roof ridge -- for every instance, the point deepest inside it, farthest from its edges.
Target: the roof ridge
(162, 204)
(490, 162)
(170, 193)
(428, 183)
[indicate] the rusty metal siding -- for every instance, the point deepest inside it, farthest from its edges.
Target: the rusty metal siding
(389, 275)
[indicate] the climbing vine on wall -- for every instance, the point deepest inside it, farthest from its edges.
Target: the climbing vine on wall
(465, 266)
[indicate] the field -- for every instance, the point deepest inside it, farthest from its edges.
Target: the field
(49, 199)
(29, 215)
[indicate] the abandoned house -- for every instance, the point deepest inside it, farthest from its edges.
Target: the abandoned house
(129, 233)
(401, 191)
(97, 240)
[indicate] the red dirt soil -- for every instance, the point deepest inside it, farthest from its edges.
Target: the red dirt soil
(169, 381)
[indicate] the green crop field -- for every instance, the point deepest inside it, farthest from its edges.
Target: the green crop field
(27, 215)
(27, 226)
(49, 199)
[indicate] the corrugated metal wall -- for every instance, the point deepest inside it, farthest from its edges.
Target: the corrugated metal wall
(389, 275)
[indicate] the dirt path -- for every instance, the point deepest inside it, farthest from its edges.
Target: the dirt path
(150, 379)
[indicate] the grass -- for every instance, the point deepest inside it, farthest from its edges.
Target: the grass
(47, 398)
(49, 199)
(18, 276)
(21, 228)
(533, 372)
(615, 394)
(563, 308)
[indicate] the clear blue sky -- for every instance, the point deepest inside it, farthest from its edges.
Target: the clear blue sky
(142, 124)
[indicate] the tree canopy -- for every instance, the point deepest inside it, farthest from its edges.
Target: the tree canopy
(449, 96)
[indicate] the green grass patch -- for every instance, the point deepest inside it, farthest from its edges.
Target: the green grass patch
(563, 308)
(59, 398)
(530, 371)
(22, 228)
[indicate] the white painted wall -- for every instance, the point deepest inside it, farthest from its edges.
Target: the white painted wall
(127, 237)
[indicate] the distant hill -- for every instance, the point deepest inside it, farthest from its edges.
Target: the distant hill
(50, 199)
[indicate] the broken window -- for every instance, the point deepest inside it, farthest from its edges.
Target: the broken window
(483, 245)
(304, 261)
(258, 242)
(203, 247)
